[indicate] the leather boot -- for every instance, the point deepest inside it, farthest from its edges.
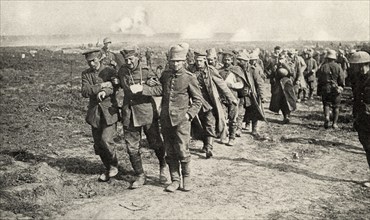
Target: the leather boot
(327, 117)
(209, 147)
(255, 128)
(185, 171)
(139, 171)
(232, 130)
(175, 176)
(162, 165)
(335, 117)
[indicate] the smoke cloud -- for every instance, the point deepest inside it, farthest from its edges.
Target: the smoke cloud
(138, 23)
(197, 31)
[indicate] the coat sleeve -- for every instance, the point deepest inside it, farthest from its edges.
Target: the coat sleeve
(88, 89)
(222, 87)
(341, 77)
(259, 82)
(196, 97)
(156, 90)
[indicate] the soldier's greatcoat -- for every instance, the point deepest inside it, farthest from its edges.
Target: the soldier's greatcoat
(283, 89)
(91, 80)
(137, 109)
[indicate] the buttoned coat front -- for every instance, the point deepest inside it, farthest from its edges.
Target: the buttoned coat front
(91, 86)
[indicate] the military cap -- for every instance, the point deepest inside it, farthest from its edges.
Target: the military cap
(277, 48)
(129, 51)
(359, 57)
(228, 53)
(91, 54)
(242, 56)
(200, 54)
(178, 52)
(107, 40)
(211, 53)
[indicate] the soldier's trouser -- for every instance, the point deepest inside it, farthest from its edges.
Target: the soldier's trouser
(311, 87)
(133, 137)
(176, 142)
(232, 115)
(364, 138)
(241, 113)
(104, 145)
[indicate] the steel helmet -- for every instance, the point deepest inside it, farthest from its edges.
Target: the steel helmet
(107, 40)
(359, 57)
(331, 54)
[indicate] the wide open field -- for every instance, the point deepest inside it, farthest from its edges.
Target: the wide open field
(48, 167)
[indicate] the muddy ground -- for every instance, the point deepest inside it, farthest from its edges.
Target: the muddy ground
(48, 167)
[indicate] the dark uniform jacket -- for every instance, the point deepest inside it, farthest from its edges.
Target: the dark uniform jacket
(330, 75)
(309, 72)
(361, 105)
(177, 89)
(137, 109)
(91, 80)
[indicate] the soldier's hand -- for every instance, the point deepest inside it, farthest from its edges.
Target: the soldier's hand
(187, 116)
(136, 88)
(115, 81)
(106, 84)
(230, 85)
(101, 95)
(152, 82)
(340, 89)
(113, 63)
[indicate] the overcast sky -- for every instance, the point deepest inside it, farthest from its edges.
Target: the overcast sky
(281, 20)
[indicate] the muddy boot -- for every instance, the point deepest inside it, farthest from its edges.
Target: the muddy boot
(286, 119)
(162, 168)
(175, 176)
(185, 171)
(327, 117)
(232, 131)
(162, 165)
(255, 128)
(247, 126)
(335, 118)
(139, 171)
(209, 147)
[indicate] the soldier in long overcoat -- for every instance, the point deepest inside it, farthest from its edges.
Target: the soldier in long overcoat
(282, 90)
(102, 113)
(139, 113)
(181, 102)
(233, 77)
(253, 90)
(361, 104)
(212, 119)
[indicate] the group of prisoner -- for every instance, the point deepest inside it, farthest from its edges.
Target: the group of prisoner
(210, 95)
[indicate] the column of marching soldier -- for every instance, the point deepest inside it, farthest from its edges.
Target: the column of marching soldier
(205, 99)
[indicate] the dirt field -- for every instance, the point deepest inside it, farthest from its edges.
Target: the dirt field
(48, 167)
